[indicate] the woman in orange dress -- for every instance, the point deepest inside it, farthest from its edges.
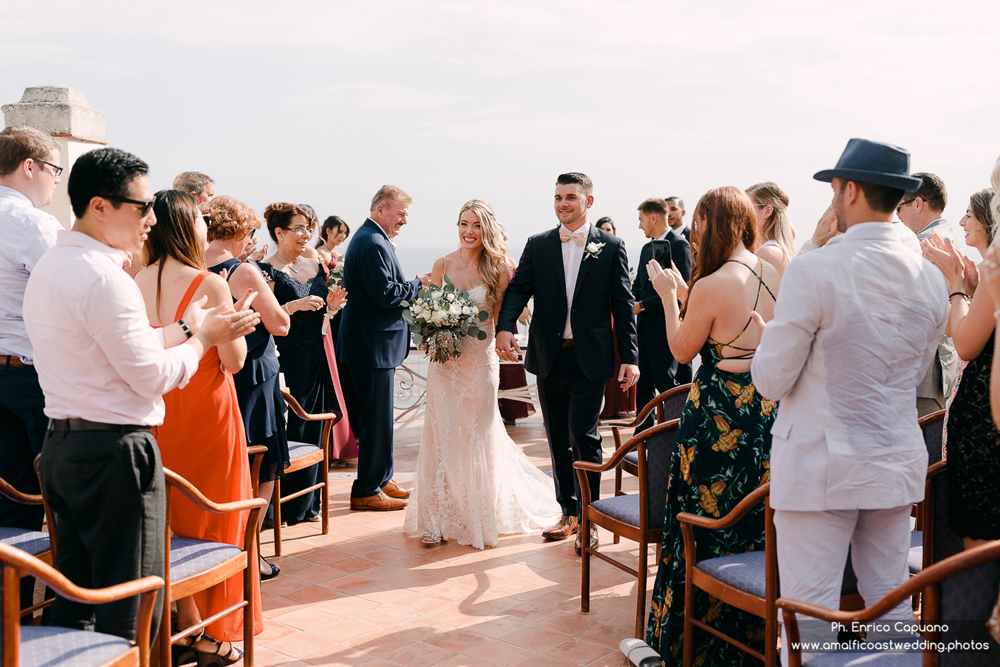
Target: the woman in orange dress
(202, 436)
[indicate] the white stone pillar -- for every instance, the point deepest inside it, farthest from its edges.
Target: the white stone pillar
(64, 113)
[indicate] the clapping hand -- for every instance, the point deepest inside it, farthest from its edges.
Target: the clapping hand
(252, 252)
(945, 256)
(223, 323)
(336, 298)
(990, 274)
(668, 283)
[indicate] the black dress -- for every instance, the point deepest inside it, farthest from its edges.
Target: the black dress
(307, 377)
(974, 454)
(259, 395)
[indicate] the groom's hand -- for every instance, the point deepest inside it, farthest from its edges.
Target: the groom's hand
(628, 376)
(507, 348)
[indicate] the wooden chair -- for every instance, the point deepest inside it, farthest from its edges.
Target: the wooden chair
(637, 517)
(33, 542)
(302, 455)
(195, 565)
(668, 406)
(932, 426)
(959, 592)
(747, 581)
(30, 645)
(939, 540)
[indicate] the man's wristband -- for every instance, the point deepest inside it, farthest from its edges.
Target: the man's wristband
(961, 294)
(185, 328)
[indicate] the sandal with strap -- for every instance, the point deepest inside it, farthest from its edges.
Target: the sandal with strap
(185, 654)
(215, 658)
(430, 539)
(274, 571)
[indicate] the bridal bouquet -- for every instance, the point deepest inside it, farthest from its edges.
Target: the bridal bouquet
(440, 317)
(334, 281)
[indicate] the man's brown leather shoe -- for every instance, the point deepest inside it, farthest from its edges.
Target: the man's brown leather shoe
(394, 490)
(378, 503)
(567, 526)
(579, 542)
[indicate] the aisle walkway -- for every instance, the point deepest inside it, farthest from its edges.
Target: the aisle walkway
(367, 595)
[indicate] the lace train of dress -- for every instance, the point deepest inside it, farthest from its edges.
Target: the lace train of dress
(473, 483)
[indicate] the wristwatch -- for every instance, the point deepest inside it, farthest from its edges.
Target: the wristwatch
(185, 328)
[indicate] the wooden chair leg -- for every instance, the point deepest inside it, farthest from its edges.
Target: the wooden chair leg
(618, 492)
(248, 609)
(584, 563)
(640, 604)
(688, 627)
(324, 502)
(276, 504)
(163, 634)
(771, 638)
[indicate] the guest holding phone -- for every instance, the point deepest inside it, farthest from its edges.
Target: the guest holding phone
(658, 370)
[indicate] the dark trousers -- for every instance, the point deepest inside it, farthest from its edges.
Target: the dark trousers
(22, 429)
(571, 408)
(658, 371)
(374, 388)
(107, 492)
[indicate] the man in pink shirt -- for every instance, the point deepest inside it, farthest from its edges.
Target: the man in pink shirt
(103, 371)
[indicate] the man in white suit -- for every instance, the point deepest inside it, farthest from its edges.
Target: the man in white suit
(854, 330)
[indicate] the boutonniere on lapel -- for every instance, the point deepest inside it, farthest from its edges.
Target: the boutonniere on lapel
(593, 249)
(394, 248)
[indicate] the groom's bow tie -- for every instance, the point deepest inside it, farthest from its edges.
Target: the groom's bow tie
(564, 236)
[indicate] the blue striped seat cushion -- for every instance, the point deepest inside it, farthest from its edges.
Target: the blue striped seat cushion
(620, 508)
(633, 457)
(915, 559)
(190, 557)
(33, 542)
(744, 572)
(297, 450)
(50, 646)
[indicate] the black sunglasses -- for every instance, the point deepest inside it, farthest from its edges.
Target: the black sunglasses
(146, 205)
(904, 203)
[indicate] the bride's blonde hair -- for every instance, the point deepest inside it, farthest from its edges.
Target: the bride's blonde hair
(494, 259)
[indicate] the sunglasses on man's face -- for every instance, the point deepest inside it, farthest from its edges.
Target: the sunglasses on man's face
(146, 205)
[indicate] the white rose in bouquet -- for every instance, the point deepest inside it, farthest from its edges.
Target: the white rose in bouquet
(455, 309)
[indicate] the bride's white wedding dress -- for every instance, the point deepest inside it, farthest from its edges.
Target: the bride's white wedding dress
(472, 482)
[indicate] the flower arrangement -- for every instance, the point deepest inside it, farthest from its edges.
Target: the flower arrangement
(593, 249)
(334, 281)
(440, 317)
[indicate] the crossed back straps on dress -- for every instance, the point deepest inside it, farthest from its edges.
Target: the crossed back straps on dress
(186, 299)
(747, 352)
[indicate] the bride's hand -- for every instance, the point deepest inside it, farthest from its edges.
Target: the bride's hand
(506, 344)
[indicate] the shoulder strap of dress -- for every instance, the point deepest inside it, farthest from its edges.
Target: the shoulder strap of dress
(192, 288)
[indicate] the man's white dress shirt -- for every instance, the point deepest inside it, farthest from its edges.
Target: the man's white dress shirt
(572, 256)
(854, 329)
(96, 355)
(25, 234)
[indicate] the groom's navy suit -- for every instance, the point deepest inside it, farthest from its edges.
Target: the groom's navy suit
(373, 340)
(571, 377)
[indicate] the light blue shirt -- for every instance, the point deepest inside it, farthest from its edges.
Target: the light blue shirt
(26, 233)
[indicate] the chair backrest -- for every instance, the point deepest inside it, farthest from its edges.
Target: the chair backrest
(944, 541)
(674, 402)
(933, 427)
(967, 599)
(660, 442)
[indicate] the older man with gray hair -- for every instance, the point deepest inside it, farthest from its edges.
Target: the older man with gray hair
(196, 183)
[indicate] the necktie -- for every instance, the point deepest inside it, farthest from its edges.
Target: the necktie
(565, 236)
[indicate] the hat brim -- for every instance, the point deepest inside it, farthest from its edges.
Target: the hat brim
(905, 183)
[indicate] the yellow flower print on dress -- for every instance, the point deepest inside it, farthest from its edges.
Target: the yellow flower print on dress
(714, 611)
(695, 395)
(767, 406)
(687, 457)
(709, 497)
(727, 440)
(744, 395)
(767, 473)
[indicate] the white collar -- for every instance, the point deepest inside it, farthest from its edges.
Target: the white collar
(81, 240)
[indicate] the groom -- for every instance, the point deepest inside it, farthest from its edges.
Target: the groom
(374, 340)
(579, 277)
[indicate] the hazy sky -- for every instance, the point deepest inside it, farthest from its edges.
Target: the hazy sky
(322, 103)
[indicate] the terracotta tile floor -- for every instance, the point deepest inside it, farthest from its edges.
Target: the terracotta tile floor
(366, 594)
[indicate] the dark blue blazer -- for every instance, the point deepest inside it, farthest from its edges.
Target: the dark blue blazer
(651, 322)
(602, 290)
(372, 331)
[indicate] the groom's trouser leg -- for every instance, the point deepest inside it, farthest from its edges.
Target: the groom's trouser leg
(374, 388)
(571, 408)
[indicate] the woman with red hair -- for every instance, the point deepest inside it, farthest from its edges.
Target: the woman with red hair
(723, 440)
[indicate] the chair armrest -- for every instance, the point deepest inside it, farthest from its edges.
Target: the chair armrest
(631, 444)
(649, 407)
(931, 418)
(305, 416)
(195, 496)
(737, 513)
(67, 589)
(256, 449)
(18, 497)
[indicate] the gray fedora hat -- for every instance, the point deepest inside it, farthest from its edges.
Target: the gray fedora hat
(873, 162)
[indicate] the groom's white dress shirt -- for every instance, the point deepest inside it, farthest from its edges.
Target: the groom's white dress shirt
(572, 256)
(854, 330)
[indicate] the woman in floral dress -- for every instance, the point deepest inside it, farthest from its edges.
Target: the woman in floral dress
(723, 441)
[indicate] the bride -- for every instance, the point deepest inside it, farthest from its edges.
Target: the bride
(472, 482)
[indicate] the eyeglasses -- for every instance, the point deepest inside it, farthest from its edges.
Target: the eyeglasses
(146, 205)
(56, 168)
(904, 203)
(301, 231)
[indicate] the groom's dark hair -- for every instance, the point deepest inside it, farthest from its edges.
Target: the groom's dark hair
(576, 178)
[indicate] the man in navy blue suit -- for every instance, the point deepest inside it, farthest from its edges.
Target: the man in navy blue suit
(373, 340)
(659, 370)
(578, 275)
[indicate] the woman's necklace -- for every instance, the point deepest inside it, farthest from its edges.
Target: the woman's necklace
(468, 266)
(298, 261)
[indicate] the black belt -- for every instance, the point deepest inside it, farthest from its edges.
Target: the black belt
(567, 343)
(12, 361)
(75, 424)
